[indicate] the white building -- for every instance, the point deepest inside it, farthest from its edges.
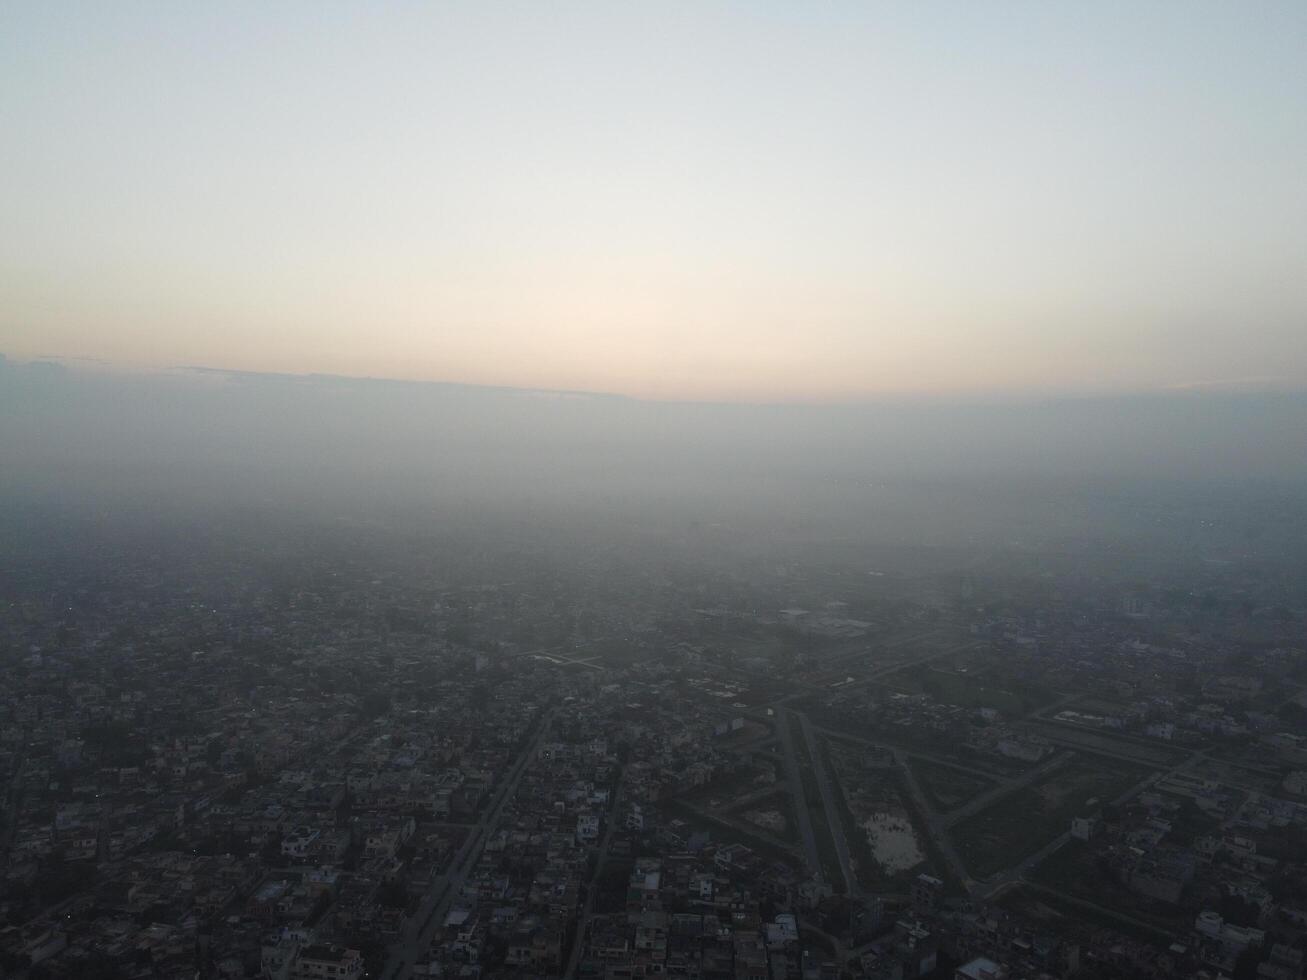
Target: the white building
(587, 827)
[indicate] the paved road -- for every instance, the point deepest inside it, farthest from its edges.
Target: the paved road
(578, 941)
(833, 821)
(938, 824)
(1007, 787)
(749, 831)
(555, 649)
(435, 905)
(748, 799)
(1041, 713)
(1074, 737)
(873, 676)
(934, 827)
(986, 774)
(888, 669)
(1112, 913)
(801, 814)
(996, 883)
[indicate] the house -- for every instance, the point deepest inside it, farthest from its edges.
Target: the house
(1027, 748)
(587, 828)
(981, 968)
(1284, 963)
(926, 892)
(298, 843)
(278, 956)
(1162, 875)
(327, 963)
(1084, 828)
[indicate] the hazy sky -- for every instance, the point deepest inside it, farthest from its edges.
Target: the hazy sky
(734, 201)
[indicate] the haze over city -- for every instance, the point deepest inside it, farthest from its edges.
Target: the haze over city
(663, 491)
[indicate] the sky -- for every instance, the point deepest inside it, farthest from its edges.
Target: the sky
(816, 202)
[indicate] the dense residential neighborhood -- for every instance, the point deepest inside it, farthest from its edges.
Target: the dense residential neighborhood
(367, 772)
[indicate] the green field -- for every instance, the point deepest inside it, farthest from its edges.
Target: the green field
(1073, 918)
(1075, 870)
(914, 740)
(779, 801)
(1020, 823)
(946, 787)
(1092, 740)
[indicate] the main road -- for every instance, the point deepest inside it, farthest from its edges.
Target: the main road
(801, 813)
(435, 904)
(578, 940)
(833, 821)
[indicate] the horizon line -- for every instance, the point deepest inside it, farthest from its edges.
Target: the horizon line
(1252, 385)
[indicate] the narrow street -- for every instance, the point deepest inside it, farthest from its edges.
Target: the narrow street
(578, 941)
(431, 912)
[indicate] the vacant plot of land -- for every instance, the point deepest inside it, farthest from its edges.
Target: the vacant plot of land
(970, 686)
(750, 731)
(948, 788)
(913, 739)
(964, 690)
(887, 840)
(1019, 824)
(1099, 706)
(1242, 777)
(1092, 741)
(726, 830)
(1072, 918)
(760, 690)
(773, 814)
(859, 656)
(721, 792)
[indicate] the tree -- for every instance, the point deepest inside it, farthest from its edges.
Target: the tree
(393, 895)
(1245, 967)
(1238, 911)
